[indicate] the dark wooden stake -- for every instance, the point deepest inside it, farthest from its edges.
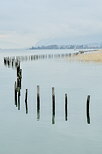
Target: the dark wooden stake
(18, 82)
(53, 105)
(66, 107)
(19, 99)
(18, 69)
(26, 105)
(53, 119)
(15, 94)
(87, 109)
(38, 102)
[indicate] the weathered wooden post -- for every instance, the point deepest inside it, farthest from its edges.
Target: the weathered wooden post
(12, 62)
(19, 99)
(26, 105)
(53, 106)
(8, 62)
(66, 107)
(18, 82)
(5, 60)
(87, 109)
(20, 73)
(18, 69)
(15, 89)
(38, 102)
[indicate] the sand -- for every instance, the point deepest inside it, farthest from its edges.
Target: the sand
(89, 56)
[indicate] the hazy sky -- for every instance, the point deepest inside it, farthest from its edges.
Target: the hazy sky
(23, 23)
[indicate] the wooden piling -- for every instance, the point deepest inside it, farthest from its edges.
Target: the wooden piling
(87, 109)
(26, 105)
(18, 69)
(15, 89)
(19, 99)
(38, 102)
(53, 105)
(66, 107)
(5, 60)
(20, 73)
(38, 97)
(18, 82)
(12, 62)
(8, 61)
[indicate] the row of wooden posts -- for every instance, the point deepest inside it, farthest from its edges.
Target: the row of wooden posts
(18, 93)
(53, 105)
(13, 61)
(17, 89)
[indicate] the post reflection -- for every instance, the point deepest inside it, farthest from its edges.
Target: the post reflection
(53, 119)
(38, 114)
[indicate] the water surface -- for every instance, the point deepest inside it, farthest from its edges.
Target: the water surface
(24, 133)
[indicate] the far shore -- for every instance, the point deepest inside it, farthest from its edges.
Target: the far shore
(89, 56)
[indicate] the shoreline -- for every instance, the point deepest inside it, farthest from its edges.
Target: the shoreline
(94, 56)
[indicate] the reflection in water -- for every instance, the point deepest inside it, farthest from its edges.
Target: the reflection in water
(88, 120)
(87, 109)
(38, 114)
(53, 119)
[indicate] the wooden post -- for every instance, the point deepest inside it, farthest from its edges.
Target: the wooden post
(53, 119)
(18, 69)
(19, 99)
(20, 73)
(20, 83)
(66, 107)
(15, 89)
(12, 62)
(17, 82)
(8, 62)
(53, 106)
(26, 105)
(38, 102)
(87, 109)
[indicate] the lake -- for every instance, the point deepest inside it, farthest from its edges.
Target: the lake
(36, 132)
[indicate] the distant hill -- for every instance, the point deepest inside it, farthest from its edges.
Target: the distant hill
(67, 47)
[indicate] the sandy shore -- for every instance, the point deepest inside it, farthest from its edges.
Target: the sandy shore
(90, 56)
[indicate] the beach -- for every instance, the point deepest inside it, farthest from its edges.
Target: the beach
(95, 56)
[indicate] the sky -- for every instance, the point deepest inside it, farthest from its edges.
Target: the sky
(25, 23)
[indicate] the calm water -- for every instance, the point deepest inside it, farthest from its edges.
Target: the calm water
(22, 133)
